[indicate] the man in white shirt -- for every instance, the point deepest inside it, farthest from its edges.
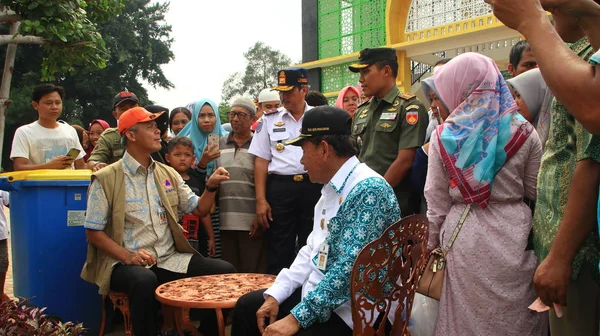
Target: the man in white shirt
(311, 297)
(44, 143)
(285, 197)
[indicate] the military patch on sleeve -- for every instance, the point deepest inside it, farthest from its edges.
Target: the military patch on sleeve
(412, 117)
(412, 107)
(259, 126)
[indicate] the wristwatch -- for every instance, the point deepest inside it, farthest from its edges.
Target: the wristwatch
(211, 189)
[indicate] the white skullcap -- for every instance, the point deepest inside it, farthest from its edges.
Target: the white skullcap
(268, 95)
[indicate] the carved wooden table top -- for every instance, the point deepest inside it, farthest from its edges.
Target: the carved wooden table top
(211, 291)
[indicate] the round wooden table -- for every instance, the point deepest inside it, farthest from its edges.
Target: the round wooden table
(208, 292)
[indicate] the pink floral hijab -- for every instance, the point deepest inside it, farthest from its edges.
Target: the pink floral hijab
(484, 129)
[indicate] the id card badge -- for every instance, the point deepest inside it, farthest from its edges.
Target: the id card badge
(322, 260)
(162, 215)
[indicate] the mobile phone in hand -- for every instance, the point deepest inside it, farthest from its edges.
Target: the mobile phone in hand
(73, 153)
(213, 140)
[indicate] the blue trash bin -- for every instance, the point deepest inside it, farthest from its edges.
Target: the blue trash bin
(47, 211)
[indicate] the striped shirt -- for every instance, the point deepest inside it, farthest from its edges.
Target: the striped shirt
(237, 201)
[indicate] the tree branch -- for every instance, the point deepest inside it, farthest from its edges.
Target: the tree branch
(20, 39)
(9, 18)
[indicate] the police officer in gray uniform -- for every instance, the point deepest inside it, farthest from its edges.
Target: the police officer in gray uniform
(285, 197)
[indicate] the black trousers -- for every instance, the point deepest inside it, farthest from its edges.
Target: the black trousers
(140, 283)
(245, 323)
(292, 206)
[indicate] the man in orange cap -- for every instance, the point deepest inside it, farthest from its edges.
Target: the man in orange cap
(135, 243)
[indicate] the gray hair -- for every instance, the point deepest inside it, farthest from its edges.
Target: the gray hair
(124, 137)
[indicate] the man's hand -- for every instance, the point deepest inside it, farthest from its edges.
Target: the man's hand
(263, 213)
(268, 310)
(515, 13)
(60, 162)
(552, 279)
(220, 175)
(140, 258)
(285, 327)
(99, 165)
(212, 250)
(572, 8)
(255, 230)
(210, 153)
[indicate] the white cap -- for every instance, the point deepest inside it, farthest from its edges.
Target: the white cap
(268, 95)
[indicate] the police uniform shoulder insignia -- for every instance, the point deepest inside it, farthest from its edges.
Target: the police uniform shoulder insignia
(406, 96)
(270, 112)
(259, 126)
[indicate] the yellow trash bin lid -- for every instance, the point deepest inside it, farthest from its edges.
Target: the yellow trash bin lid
(49, 175)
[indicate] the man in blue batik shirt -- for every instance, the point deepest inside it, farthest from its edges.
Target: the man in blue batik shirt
(312, 297)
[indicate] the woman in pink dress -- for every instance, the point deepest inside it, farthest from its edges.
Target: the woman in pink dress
(487, 155)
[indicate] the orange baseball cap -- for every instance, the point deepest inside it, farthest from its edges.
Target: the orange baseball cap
(133, 116)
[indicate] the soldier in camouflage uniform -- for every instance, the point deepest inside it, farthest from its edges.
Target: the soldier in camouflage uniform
(391, 126)
(109, 148)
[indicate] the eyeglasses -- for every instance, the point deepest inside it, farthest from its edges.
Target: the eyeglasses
(240, 115)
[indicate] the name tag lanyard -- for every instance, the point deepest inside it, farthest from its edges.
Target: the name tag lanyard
(324, 247)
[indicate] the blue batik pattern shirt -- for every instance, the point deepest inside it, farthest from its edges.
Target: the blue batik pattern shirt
(368, 207)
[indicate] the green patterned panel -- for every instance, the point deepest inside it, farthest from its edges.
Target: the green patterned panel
(336, 77)
(331, 101)
(350, 26)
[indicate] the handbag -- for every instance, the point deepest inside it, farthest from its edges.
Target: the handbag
(432, 278)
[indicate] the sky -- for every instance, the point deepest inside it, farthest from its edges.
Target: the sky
(211, 37)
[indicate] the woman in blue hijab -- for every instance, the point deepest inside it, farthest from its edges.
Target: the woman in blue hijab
(205, 121)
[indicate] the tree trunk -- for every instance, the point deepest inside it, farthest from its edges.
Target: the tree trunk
(11, 51)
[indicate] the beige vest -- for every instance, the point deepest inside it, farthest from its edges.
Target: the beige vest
(98, 265)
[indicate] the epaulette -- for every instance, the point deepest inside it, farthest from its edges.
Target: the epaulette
(406, 96)
(273, 111)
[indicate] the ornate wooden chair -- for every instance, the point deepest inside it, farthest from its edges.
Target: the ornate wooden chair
(386, 274)
(121, 302)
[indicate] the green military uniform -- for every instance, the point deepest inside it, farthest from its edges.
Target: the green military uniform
(109, 148)
(382, 127)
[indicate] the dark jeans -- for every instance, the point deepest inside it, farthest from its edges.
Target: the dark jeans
(292, 206)
(140, 283)
(245, 322)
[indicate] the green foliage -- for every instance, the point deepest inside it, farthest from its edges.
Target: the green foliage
(137, 41)
(224, 108)
(70, 30)
(262, 64)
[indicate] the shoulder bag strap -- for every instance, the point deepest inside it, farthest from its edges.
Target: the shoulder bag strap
(457, 230)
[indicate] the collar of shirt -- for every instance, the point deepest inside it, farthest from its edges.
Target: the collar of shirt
(245, 145)
(132, 167)
(306, 108)
(389, 97)
(337, 182)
